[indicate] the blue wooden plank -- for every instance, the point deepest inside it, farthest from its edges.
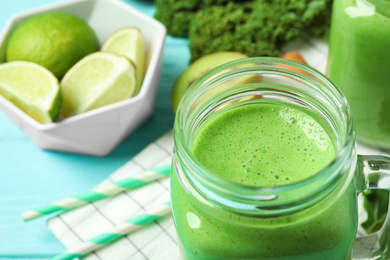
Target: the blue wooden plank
(30, 176)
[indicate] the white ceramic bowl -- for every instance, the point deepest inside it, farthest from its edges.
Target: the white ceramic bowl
(99, 131)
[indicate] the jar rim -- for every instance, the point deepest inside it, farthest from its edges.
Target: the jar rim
(244, 192)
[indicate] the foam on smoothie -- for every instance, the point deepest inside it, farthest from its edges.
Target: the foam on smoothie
(263, 145)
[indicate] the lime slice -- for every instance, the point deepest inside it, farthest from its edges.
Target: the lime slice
(97, 80)
(128, 42)
(32, 88)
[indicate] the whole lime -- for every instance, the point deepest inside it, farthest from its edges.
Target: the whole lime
(54, 40)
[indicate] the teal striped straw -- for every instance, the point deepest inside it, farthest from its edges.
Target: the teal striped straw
(100, 192)
(116, 232)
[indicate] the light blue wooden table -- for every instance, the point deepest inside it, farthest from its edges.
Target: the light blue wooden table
(30, 176)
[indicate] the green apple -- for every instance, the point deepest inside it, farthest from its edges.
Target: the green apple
(197, 69)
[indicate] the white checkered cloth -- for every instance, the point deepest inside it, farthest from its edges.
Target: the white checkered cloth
(157, 241)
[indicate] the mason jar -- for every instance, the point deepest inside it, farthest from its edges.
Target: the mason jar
(359, 64)
(315, 218)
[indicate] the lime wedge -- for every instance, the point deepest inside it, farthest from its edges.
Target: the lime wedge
(130, 43)
(32, 88)
(97, 80)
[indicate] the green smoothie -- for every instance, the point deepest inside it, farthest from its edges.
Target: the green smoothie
(264, 145)
(359, 63)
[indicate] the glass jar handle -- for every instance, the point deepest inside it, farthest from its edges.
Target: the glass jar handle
(375, 174)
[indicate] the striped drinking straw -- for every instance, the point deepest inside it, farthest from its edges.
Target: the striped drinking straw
(100, 192)
(116, 232)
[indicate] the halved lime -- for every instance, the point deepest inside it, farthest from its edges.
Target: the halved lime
(97, 80)
(129, 42)
(32, 88)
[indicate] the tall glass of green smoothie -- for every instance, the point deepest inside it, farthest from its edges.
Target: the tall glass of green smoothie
(265, 166)
(359, 63)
